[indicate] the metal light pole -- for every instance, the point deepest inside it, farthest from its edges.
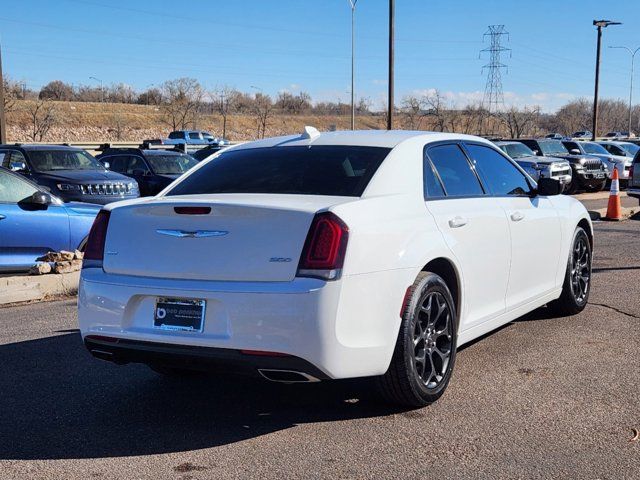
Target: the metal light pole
(101, 89)
(3, 125)
(599, 24)
(390, 93)
(352, 3)
(633, 56)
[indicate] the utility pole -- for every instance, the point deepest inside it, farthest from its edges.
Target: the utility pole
(391, 40)
(101, 89)
(3, 125)
(633, 56)
(599, 24)
(352, 3)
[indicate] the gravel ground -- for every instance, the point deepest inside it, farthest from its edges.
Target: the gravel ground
(542, 397)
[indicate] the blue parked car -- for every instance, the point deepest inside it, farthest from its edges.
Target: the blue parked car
(33, 222)
(71, 174)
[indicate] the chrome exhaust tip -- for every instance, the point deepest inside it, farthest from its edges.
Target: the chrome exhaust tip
(287, 376)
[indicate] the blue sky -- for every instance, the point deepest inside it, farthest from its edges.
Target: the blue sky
(305, 45)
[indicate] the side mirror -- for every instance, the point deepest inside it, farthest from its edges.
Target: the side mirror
(18, 166)
(536, 152)
(548, 187)
(40, 198)
(107, 165)
(574, 151)
(138, 172)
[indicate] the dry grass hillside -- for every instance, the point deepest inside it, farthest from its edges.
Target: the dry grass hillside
(94, 122)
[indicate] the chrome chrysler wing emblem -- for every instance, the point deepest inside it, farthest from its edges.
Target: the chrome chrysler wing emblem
(192, 234)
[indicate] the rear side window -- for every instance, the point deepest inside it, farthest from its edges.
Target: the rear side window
(498, 173)
(194, 136)
(315, 170)
(454, 169)
(432, 186)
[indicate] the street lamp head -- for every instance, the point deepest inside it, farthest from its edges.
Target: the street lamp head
(605, 23)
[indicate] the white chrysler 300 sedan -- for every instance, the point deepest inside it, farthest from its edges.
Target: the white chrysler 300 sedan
(333, 255)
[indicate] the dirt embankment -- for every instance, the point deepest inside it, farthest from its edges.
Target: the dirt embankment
(79, 121)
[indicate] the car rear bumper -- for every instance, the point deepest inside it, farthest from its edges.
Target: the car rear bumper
(344, 328)
(218, 360)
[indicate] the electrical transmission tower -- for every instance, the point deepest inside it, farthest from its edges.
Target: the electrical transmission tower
(493, 96)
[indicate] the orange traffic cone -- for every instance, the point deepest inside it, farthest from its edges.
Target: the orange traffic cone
(614, 209)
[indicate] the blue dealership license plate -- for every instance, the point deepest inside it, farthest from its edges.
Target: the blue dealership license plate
(182, 314)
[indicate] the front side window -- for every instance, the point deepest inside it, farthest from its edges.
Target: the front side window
(171, 164)
(498, 173)
(135, 165)
(13, 189)
(316, 170)
(594, 148)
(552, 147)
(630, 148)
(50, 160)
(455, 171)
(117, 163)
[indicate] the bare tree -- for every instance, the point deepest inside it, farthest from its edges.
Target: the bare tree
(224, 103)
(182, 99)
(57, 90)
(520, 121)
(11, 93)
(262, 109)
(412, 111)
(437, 108)
(42, 115)
(472, 118)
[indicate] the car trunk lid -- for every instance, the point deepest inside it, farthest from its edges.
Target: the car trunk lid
(244, 237)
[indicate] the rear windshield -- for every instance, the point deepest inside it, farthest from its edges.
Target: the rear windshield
(316, 170)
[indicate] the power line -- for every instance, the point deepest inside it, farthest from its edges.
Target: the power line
(493, 95)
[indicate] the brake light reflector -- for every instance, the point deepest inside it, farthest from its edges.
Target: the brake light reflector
(94, 249)
(325, 247)
(192, 210)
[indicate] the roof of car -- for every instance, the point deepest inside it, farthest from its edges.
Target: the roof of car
(142, 151)
(36, 146)
(507, 142)
(370, 138)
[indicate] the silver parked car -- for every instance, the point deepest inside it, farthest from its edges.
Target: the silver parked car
(546, 167)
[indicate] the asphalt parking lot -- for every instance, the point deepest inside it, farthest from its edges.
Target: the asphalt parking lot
(542, 397)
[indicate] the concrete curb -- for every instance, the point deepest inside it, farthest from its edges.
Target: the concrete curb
(601, 213)
(25, 288)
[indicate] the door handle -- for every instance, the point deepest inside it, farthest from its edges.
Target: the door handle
(457, 222)
(2, 217)
(517, 216)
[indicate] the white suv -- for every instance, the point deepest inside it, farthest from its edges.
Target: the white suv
(334, 255)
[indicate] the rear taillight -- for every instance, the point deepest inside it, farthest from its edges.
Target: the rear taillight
(324, 248)
(94, 250)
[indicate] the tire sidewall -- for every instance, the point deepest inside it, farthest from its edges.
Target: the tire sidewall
(579, 233)
(430, 283)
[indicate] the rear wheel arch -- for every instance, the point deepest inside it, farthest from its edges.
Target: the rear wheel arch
(584, 223)
(447, 270)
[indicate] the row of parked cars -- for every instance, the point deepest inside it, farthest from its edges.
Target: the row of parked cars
(577, 164)
(50, 194)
